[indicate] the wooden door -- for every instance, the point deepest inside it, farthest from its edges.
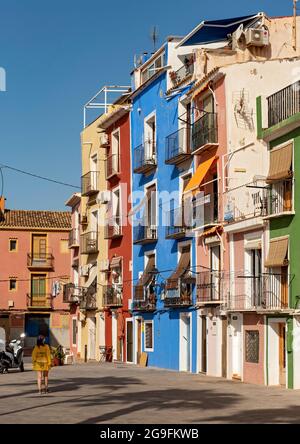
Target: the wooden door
(284, 292)
(204, 343)
(287, 196)
(139, 340)
(282, 354)
(39, 246)
(129, 339)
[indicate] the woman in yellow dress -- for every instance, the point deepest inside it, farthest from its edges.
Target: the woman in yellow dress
(41, 360)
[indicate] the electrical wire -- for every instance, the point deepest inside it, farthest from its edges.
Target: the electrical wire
(2, 182)
(37, 176)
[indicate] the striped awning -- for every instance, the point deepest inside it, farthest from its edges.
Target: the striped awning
(278, 250)
(280, 163)
(199, 175)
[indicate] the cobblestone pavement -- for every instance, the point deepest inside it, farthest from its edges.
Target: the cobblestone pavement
(125, 394)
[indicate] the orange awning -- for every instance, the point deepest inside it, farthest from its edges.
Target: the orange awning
(199, 175)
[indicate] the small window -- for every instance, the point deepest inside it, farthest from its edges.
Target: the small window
(74, 331)
(12, 284)
(64, 246)
(252, 346)
(13, 244)
(149, 336)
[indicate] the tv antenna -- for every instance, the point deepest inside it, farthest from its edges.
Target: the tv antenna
(154, 36)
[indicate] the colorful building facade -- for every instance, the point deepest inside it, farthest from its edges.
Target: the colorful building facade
(34, 265)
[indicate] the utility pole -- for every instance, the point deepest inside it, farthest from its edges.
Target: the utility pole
(295, 24)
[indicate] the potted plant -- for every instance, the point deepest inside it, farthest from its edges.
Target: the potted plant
(58, 356)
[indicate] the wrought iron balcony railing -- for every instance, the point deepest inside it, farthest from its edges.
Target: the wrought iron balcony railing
(268, 291)
(204, 132)
(209, 287)
(178, 292)
(113, 228)
(74, 238)
(144, 234)
(179, 222)
(113, 296)
(39, 301)
(182, 73)
(144, 298)
(40, 260)
(73, 293)
(145, 157)
(89, 242)
(284, 104)
(112, 166)
(205, 210)
(89, 183)
(178, 146)
(88, 301)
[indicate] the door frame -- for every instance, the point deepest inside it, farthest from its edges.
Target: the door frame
(137, 319)
(90, 322)
(181, 341)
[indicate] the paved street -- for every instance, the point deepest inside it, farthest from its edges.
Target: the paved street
(108, 393)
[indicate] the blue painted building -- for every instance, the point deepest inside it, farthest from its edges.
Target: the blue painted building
(163, 246)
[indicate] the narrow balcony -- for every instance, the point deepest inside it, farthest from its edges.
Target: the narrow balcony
(204, 133)
(112, 166)
(205, 211)
(113, 228)
(178, 146)
(89, 183)
(144, 234)
(268, 291)
(72, 293)
(39, 301)
(178, 293)
(179, 222)
(279, 199)
(209, 287)
(184, 72)
(283, 104)
(113, 296)
(74, 238)
(145, 158)
(40, 261)
(144, 298)
(89, 242)
(88, 301)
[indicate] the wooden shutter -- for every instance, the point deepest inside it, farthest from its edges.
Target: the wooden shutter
(280, 164)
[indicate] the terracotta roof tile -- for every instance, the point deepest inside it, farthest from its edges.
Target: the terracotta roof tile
(36, 219)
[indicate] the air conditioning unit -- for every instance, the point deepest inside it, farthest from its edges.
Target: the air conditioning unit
(104, 197)
(84, 270)
(104, 141)
(104, 265)
(11, 304)
(256, 37)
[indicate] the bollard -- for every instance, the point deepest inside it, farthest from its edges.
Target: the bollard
(85, 353)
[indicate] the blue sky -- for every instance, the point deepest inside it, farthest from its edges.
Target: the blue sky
(57, 54)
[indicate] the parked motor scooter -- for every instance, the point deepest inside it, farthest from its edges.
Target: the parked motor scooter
(12, 356)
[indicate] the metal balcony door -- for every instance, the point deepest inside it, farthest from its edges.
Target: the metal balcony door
(215, 259)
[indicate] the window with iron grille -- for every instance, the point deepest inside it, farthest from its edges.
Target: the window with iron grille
(252, 346)
(149, 336)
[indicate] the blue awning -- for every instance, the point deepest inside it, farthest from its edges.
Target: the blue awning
(216, 30)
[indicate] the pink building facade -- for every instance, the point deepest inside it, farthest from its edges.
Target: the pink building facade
(35, 261)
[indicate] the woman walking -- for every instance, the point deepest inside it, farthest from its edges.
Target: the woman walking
(41, 360)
